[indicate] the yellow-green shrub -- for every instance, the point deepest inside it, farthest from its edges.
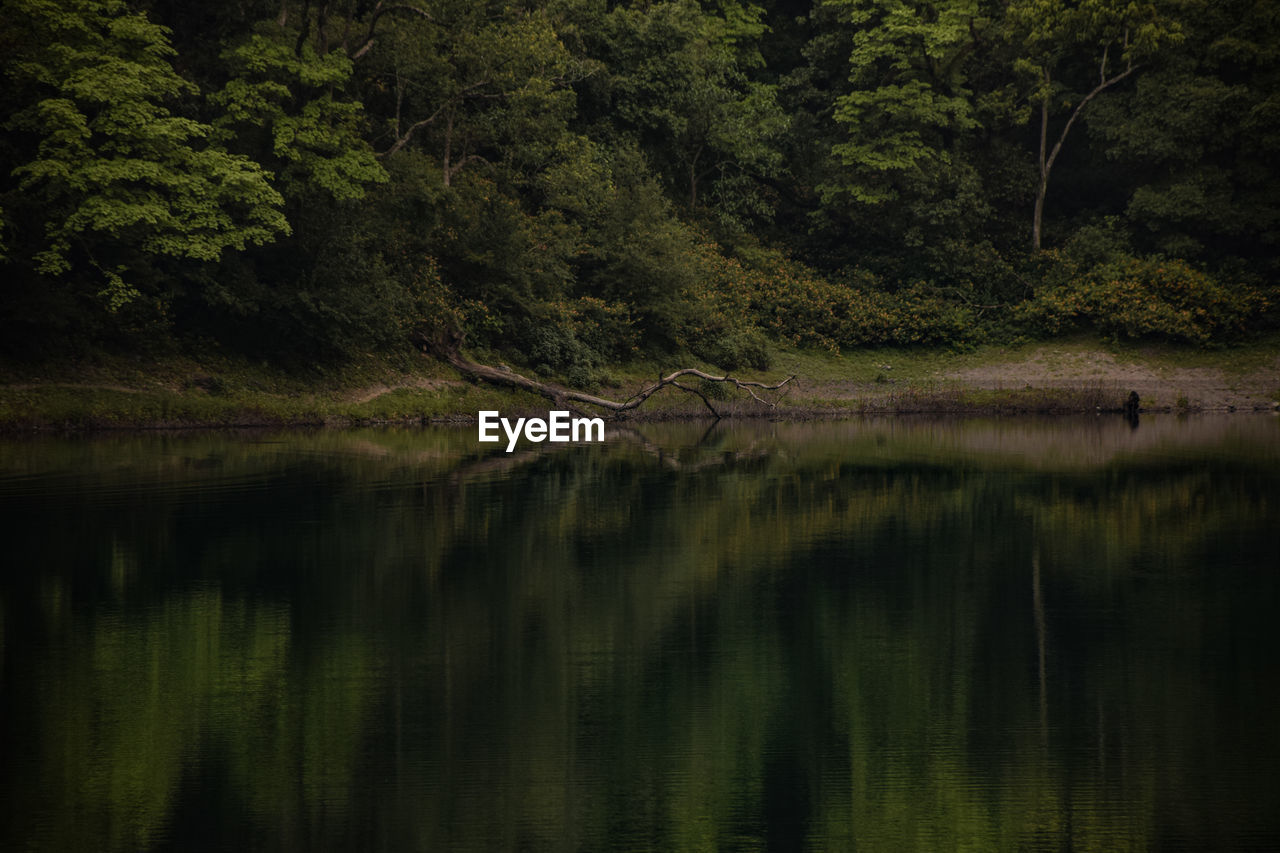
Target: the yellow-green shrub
(793, 304)
(1155, 298)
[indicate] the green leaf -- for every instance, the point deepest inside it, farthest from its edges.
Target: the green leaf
(113, 166)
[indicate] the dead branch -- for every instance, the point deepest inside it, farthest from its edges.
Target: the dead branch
(449, 350)
(380, 9)
(402, 139)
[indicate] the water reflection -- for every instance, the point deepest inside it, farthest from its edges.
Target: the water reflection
(891, 634)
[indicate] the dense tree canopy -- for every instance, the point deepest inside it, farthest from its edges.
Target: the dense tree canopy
(579, 181)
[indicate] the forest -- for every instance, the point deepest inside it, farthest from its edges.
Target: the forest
(577, 183)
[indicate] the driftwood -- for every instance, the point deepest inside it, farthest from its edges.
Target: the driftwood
(449, 350)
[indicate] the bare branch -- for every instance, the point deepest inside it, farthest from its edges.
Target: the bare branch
(700, 396)
(462, 95)
(404, 138)
(379, 10)
(561, 396)
(1046, 163)
(454, 168)
(1097, 90)
(1044, 118)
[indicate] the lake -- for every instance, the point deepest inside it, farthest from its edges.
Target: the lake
(898, 634)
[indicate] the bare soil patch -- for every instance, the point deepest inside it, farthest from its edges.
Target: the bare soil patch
(1053, 368)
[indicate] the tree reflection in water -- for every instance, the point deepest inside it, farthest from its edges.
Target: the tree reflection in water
(895, 634)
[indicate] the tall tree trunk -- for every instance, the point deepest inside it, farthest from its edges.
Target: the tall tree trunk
(448, 146)
(1042, 187)
(1046, 163)
(693, 178)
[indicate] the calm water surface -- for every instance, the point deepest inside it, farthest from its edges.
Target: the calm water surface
(888, 635)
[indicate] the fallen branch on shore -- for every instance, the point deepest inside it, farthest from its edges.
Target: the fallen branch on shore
(449, 351)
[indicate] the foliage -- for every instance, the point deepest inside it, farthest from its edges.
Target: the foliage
(1198, 133)
(577, 337)
(577, 182)
(283, 106)
(677, 83)
(479, 85)
(801, 308)
(106, 168)
(907, 67)
(1156, 298)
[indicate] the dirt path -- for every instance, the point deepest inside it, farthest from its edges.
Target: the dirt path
(1165, 385)
(1049, 367)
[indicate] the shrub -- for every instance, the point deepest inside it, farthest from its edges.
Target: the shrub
(575, 336)
(915, 316)
(735, 349)
(795, 305)
(606, 327)
(1151, 298)
(713, 320)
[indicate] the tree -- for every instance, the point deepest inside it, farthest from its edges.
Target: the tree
(1054, 38)
(897, 136)
(473, 85)
(730, 135)
(113, 171)
(910, 101)
(285, 105)
(677, 83)
(352, 275)
(1200, 135)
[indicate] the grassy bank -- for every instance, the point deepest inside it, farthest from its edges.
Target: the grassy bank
(1058, 377)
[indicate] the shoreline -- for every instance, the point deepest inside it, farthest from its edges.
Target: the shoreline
(966, 402)
(1046, 378)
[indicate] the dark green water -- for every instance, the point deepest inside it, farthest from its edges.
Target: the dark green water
(888, 635)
